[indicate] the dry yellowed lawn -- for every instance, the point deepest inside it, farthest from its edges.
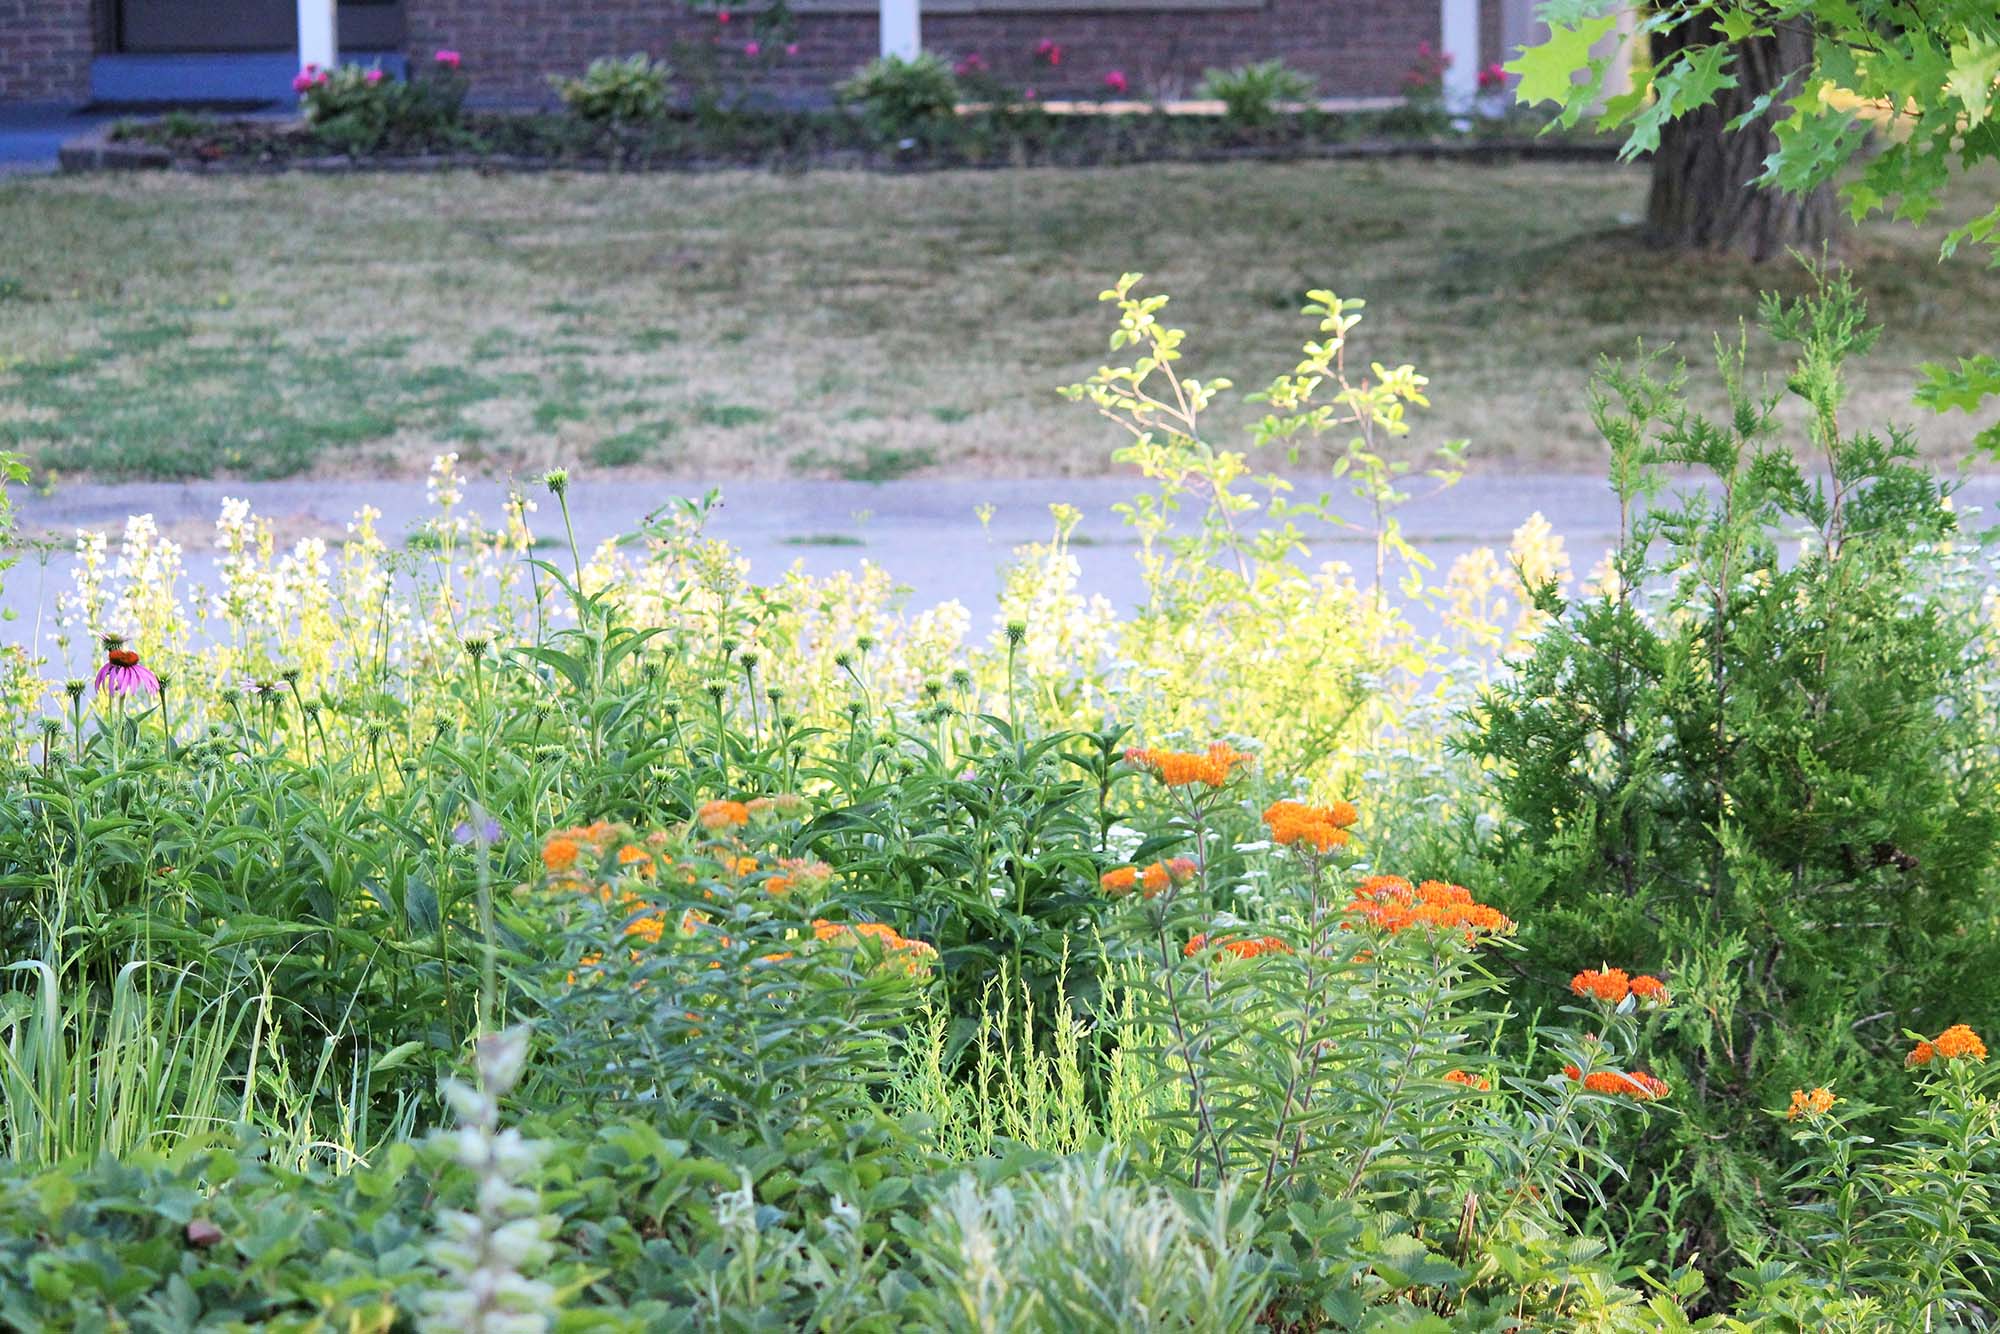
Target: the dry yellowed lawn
(844, 324)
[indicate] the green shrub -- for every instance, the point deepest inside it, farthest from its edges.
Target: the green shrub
(1250, 94)
(612, 92)
(362, 109)
(1770, 774)
(901, 98)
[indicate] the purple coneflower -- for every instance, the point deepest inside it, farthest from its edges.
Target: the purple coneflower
(122, 674)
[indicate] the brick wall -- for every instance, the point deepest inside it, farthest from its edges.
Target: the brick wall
(45, 50)
(1353, 47)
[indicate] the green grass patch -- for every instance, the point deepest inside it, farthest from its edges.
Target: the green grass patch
(823, 540)
(179, 326)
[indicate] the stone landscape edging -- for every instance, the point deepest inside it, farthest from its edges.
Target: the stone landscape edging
(97, 151)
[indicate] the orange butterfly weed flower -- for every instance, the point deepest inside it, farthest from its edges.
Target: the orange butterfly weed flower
(899, 952)
(1957, 1043)
(1173, 872)
(636, 859)
(1392, 904)
(1610, 985)
(1322, 828)
(1477, 1083)
(1154, 879)
(1638, 1085)
(1651, 990)
(1179, 768)
(797, 871)
(1814, 1104)
(1241, 948)
(716, 816)
(560, 853)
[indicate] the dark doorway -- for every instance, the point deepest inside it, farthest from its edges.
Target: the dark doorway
(175, 26)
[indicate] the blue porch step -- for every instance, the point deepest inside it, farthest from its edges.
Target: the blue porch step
(256, 76)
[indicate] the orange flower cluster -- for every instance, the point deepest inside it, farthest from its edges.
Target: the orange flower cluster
(1180, 768)
(1957, 1043)
(794, 872)
(1242, 948)
(1817, 1103)
(564, 848)
(912, 956)
(572, 856)
(1477, 1083)
(1322, 828)
(716, 816)
(1639, 1086)
(1612, 986)
(1390, 903)
(1155, 879)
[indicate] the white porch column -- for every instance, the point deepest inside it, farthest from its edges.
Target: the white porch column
(900, 23)
(1459, 22)
(319, 39)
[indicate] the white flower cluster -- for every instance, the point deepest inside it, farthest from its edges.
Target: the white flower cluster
(489, 1254)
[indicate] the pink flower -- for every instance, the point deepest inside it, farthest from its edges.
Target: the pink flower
(302, 80)
(753, 49)
(1493, 76)
(1027, 94)
(373, 76)
(122, 673)
(1116, 81)
(791, 48)
(448, 59)
(1049, 51)
(972, 64)
(722, 16)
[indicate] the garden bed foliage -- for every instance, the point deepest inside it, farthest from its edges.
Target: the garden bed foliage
(506, 935)
(633, 114)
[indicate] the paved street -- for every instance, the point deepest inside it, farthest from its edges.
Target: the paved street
(926, 533)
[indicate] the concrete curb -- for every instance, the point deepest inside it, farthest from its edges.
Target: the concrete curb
(97, 151)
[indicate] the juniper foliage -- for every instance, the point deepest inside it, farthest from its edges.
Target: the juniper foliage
(1763, 767)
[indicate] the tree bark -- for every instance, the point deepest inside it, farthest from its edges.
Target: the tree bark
(1702, 198)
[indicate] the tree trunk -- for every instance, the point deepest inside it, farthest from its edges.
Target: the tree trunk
(1702, 198)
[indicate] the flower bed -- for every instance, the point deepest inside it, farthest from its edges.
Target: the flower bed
(808, 140)
(508, 936)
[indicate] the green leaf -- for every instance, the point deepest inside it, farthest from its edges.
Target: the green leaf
(1547, 72)
(396, 1057)
(1974, 67)
(1972, 382)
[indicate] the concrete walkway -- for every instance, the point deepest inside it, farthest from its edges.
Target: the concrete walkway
(925, 533)
(30, 136)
